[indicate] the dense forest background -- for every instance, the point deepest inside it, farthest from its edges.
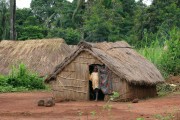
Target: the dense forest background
(94, 20)
(150, 29)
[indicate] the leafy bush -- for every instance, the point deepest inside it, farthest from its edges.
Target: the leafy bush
(31, 32)
(114, 96)
(3, 80)
(20, 79)
(10, 88)
(70, 35)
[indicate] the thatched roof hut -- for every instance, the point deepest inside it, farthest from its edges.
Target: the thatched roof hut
(132, 75)
(38, 55)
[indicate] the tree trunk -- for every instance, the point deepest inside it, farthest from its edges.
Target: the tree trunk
(12, 19)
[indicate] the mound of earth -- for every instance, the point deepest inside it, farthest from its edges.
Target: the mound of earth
(173, 80)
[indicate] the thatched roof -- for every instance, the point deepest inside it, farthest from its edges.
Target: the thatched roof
(73, 47)
(120, 58)
(38, 55)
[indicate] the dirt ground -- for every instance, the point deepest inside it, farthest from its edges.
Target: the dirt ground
(23, 106)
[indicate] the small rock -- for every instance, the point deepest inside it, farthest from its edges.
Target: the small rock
(41, 103)
(49, 102)
(135, 100)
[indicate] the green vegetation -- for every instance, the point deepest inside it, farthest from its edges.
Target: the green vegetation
(20, 79)
(94, 20)
(71, 36)
(148, 28)
(161, 117)
(164, 89)
(140, 119)
(171, 56)
(165, 56)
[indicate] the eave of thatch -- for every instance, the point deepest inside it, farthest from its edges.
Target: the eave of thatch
(39, 56)
(121, 59)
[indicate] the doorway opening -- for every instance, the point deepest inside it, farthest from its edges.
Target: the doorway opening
(91, 91)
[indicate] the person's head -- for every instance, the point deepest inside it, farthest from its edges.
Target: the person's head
(95, 69)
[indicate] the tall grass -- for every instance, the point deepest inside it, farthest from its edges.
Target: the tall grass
(166, 55)
(153, 52)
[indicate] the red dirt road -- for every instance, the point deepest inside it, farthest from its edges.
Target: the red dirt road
(23, 106)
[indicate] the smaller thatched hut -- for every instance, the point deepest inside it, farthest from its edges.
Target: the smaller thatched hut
(39, 56)
(128, 73)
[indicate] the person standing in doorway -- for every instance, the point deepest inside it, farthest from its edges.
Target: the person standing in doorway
(94, 77)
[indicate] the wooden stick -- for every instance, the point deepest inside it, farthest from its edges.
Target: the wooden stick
(86, 57)
(73, 86)
(70, 90)
(72, 79)
(57, 90)
(118, 47)
(80, 62)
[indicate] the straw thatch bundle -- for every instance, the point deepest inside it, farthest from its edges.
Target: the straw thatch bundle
(38, 55)
(120, 58)
(73, 47)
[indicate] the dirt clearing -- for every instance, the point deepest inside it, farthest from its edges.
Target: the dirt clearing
(23, 106)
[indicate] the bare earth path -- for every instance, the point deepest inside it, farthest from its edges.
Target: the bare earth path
(23, 106)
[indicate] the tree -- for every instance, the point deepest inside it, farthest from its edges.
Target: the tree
(137, 31)
(28, 25)
(97, 20)
(12, 19)
(25, 17)
(44, 10)
(162, 12)
(156, 20)
(71, 36)
(97, 23)
(31, 32)
(109, 20)
(4, 18)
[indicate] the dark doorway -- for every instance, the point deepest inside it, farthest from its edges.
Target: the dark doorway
(91, 91)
